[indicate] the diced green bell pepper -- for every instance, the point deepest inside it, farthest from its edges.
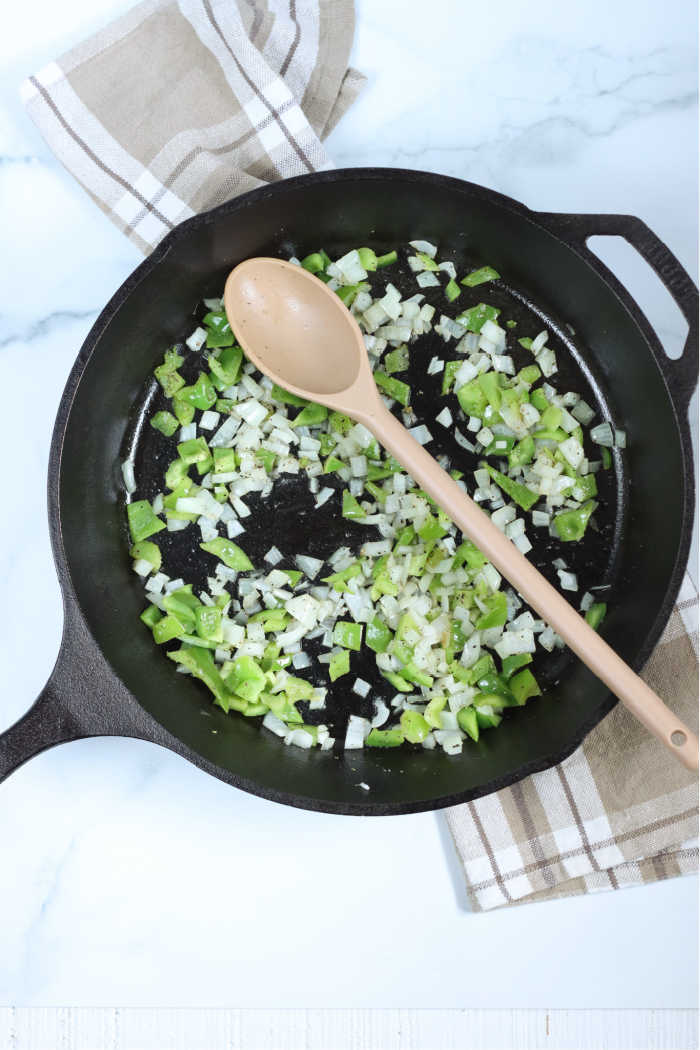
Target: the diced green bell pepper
(452, 290)
(476, 317)
(396, 360)
(151, 615)
(348, 635)
(165, 422)
(208, 623)
(142, 521)
(523, 685)
(596, 614)
(201, 394)
(570, 525)
(520, 494)
(414, 726)
(228, 553)
(226, 367)
(195, 450)
(385, 738)
(432, 713)
(513, 663)
(471, 397)
(480, 276)
(496, 612)
(468, 722)
(378, 636)
(351, 508)
(311, 415)
(400, 392)
(339, 664)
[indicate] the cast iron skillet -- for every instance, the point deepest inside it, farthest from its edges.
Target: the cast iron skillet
(110, 680)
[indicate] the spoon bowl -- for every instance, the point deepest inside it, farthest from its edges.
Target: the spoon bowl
(295, 331)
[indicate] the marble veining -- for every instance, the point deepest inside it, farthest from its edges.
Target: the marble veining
(127, 876)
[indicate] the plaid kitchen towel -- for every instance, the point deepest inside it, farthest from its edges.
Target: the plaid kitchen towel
(179, 106)
(619, 812)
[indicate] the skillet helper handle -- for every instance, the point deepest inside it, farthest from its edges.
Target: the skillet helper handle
(588, 645)
(681, 374)
(82, 698)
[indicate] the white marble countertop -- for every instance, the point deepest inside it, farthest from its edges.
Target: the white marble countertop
(128, 876)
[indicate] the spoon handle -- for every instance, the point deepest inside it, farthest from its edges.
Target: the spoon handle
(635, 694)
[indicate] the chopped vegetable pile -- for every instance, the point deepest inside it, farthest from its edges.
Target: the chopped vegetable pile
(452, 643)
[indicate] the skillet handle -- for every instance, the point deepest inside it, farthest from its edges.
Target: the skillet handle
(82, 698)
(680, 374)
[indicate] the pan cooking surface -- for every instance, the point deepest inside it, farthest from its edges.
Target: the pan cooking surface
(288, 519)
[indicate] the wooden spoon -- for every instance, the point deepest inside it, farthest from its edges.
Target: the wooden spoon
(301, 335)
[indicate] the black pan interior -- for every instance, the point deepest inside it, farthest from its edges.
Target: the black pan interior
(602, 354)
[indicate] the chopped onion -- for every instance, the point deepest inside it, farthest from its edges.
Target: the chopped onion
(309, 566)
(421, 434)
(197, 340)
(567, 580)
(603, 435)
(128, 476)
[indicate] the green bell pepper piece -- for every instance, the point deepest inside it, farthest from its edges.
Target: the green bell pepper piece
(596, 614)
(570, 525)
(151, 615)
(523, 685)
(396, 360)
(142, 521)
(226, 367)
(201, 663)
(176, 474)
(208, 623)
(339, 664)
(471, 397)
(195, 450)
(513, 663)
(385, 738)
(522, 453)
(351, 508)
(476, 317)
(228, 553)
(480, 276)
(487, 720)
(400, 392)
(246, 678)
(378, 636)
(311, 415)
(149, 552)
(165, 422)
(539, 400)
(448, 376)
(520, 494)
(167, 628)
(452, 290)
(286, 397)
(224, 460)
(414, 674)
(432, 713)
(414, 726)
(468, 722)
(496, 612)
(218, 329)
(397, 681)
(348, 635)
(491, 387)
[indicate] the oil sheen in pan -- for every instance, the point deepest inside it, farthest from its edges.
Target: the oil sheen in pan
(288, 519)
